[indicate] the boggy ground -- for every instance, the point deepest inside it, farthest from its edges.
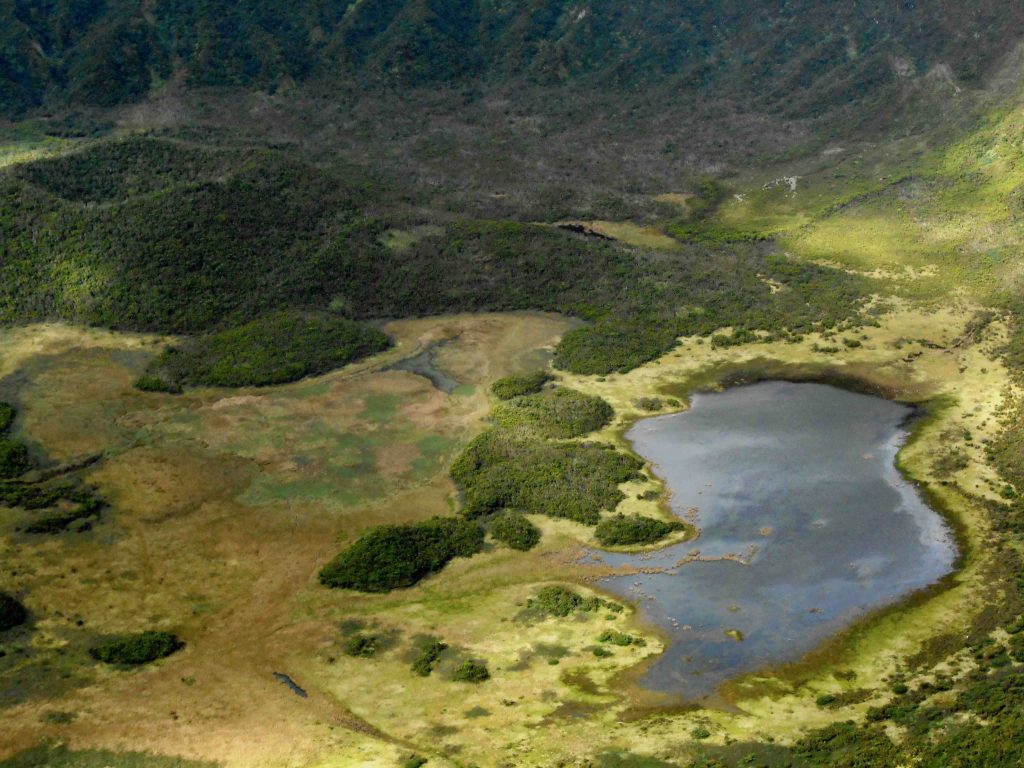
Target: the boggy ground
(225, 504)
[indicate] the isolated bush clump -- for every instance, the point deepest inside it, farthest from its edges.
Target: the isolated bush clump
(136, 649)
(556, 413)
(398, 556)
(557, 601)
(274, 349)
(14, 460)
(471, 671)
(514, 530)
(517, 386)
(622, 530)
(361, 645)
(428, 655)
(560, 601)
(12, 612)
(500, 470)
(614, 637)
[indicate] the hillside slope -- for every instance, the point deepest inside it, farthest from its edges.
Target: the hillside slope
(802, 58)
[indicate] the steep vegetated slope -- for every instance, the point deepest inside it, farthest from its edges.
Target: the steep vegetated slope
(136, 234)
(802, 57)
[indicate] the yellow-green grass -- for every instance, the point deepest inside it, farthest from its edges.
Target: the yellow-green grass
(630, 233)
(190, 548)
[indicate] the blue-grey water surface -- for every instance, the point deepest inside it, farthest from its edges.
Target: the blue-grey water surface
(798, 481)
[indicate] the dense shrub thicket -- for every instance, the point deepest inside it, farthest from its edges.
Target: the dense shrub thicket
(111, 171)
(524, 384)
(623, 530)
(514, 530)
(14, 460)
(137, 649)
(12, 612)
(555, 413)
(274, 349)
(196, 240)
(398, 556)
(500, 470)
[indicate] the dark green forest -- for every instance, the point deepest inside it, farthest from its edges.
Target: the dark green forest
(794, 56)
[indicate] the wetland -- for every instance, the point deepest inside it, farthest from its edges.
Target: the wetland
(806, 526)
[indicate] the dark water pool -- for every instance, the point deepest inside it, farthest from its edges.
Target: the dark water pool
(797, 484)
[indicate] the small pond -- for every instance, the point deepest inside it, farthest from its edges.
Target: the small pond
(806, 525)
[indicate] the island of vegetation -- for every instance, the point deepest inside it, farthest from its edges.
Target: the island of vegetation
(398, 556)
(136, 649)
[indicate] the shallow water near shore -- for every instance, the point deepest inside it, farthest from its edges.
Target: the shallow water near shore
(806, 525)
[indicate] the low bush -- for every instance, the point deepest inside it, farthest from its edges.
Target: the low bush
(471, 671)
(561, 601)
(515, 531)
(620, 530)
(398, 556)
(361, 645)
(62, 521)
(12, 612)
(274, 349)
(517, 386)
(649, 403)
(14, 460)
(557, 601)
(427, 656)
(153, 383)
(556, 413)
(614, 637)
(137, 649)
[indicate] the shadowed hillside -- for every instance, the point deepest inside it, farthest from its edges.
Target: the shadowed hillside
(803, 58)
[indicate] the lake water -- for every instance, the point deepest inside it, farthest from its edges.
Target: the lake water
(797, 483)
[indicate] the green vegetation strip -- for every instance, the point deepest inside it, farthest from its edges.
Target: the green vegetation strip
(274, 349)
